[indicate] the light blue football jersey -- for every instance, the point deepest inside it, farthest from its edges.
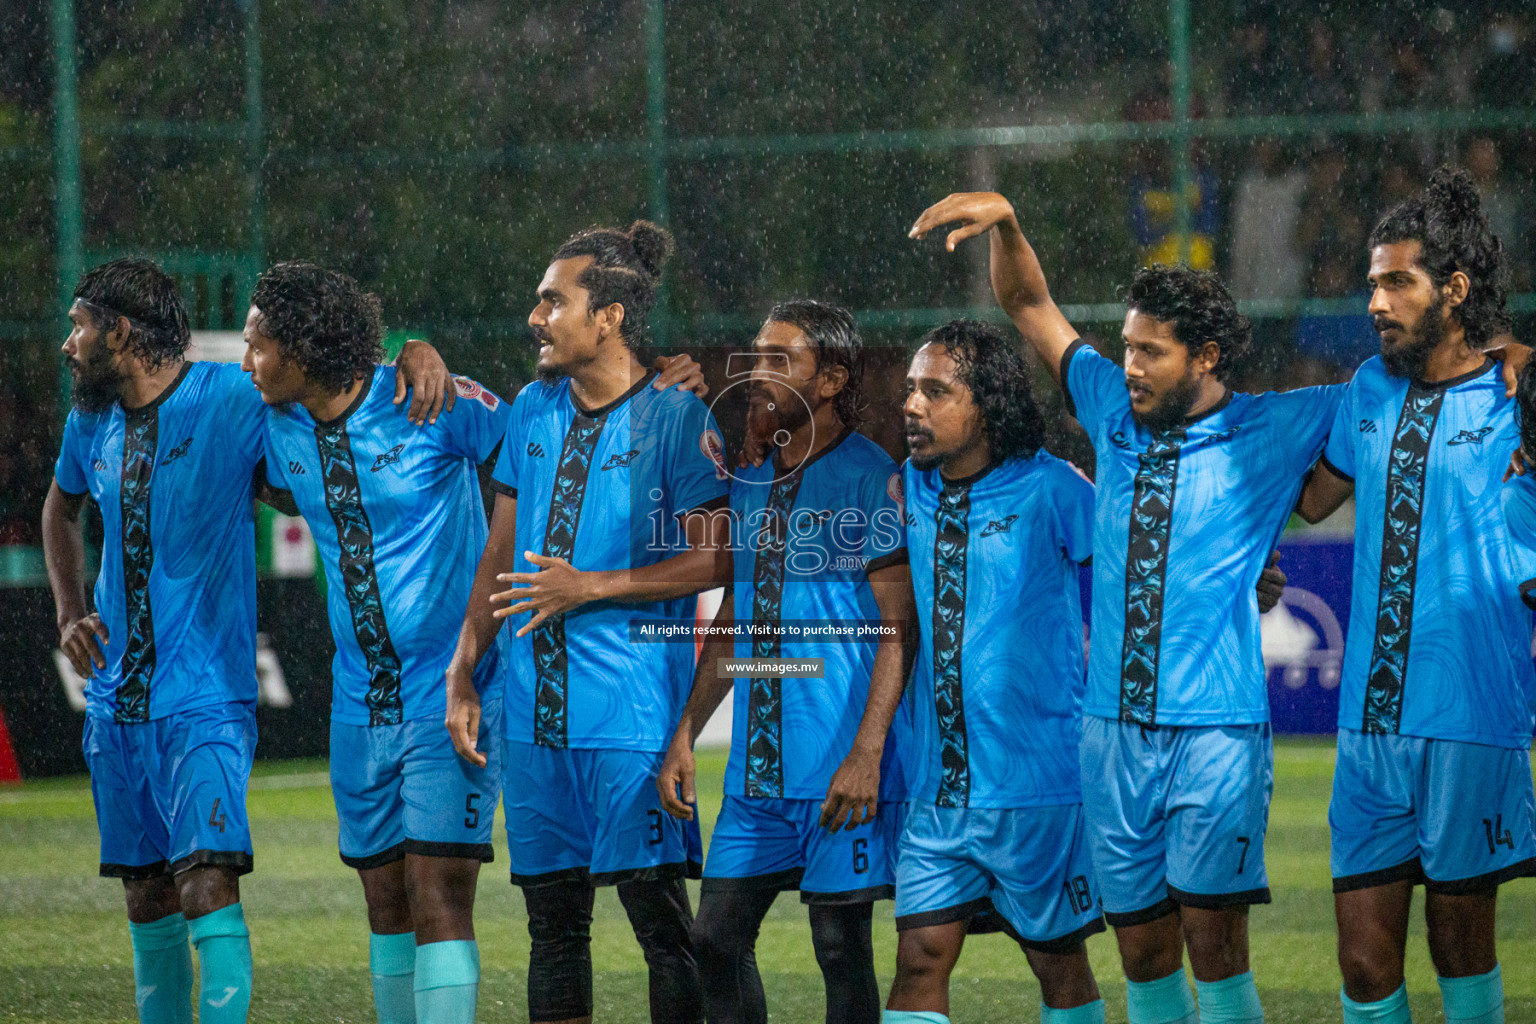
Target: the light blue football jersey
(177, 590)
(804, 542)
(605, 489)
(998, 683)
(396, 514)
(1439, 641)
(1185, 520)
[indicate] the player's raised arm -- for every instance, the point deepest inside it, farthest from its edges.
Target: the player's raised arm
(674, 782)
(479, 630)
(1017, 278)
(853, 793)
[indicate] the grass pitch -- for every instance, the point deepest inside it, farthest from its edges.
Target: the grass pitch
(65, 956)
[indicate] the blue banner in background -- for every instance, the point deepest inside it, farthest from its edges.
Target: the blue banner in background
(1303, 636)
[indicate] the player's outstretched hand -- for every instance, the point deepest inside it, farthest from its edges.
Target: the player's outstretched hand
(556, 588)
(1271, 583)
(423, 372)
(676, 776)
(82, 642)
(682, 371)
(463, 718)
(853, 794)
(1517, 465)
(976, 212)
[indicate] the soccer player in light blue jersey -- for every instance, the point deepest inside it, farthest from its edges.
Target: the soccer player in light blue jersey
(997, 529)
(1194, 484)
(603, 521)
(398, 519)
(1433, 778)
(172, 453)
(813, 792)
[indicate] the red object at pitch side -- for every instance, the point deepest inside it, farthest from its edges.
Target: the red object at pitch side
(10, 770)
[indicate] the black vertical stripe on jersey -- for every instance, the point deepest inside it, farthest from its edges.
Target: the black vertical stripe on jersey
(1146, 576)
(354, 534)
(950, 542)
(141, 435)
(1402, 522)
(551, 666)
(765, 695)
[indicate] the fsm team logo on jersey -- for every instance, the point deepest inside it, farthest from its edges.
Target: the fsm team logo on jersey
(475, 392)
(181, 449)
(714, 450)
(621, 460)
(1471, 436)
(1221, 438)
(388, 458)
(1004, 525)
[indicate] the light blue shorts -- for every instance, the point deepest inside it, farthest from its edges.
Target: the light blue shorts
(1029, 864)
(780, 844)
(1458, 817)
(403, 789)
(1176, 815)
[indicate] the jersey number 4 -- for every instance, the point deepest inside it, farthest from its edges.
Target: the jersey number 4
(216, 816)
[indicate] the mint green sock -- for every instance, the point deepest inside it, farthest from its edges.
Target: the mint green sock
(447, 982)
(1232, 1000)
(392, 965)
(162, 970)
(1391, 1010)
(223, 945)
(912, 1017)
(1475, 1000)
(1088, 1013)
(1164, 1001)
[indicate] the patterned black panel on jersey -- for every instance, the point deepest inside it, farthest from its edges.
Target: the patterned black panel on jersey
(549, 658)
(1146, 576)
(1399, 559)
(355, 537)
(765, 738)
(141, 435)
(952, 519)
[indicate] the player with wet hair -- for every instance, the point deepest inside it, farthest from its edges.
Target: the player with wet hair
(1433, 779)
(172, 452)
(605, 488)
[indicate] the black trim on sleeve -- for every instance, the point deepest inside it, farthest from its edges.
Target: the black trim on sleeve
(69, 493)
(482, 852)
(1157, 911)
(1408, 871)
(1526, 594)
(501, 488)
(776, 881)
(712, 505)
(1061, 371)
(1482, 883)
(848, 897)
(885, 561)
(1218, 900)
(242, 862)
(944, 915)
(135, 872)
(1322, 460)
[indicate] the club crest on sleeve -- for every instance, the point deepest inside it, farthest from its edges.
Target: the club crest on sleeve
(893, 489)
(714, 450)
(475, 392)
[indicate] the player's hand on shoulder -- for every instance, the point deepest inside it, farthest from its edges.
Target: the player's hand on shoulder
(854, 792)
(1517, 464)
(83, 642)
(1271, 583)
(674, 783)
(463, 716)
(975, 212)
(421, 370)
(682, 372)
